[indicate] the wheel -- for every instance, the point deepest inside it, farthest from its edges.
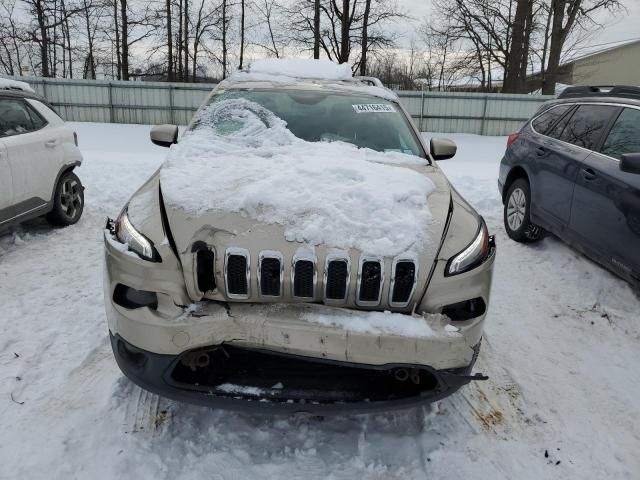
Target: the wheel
(517, 221)
(68, 201)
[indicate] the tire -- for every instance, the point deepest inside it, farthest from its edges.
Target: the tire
(68, 201)
(517, 220)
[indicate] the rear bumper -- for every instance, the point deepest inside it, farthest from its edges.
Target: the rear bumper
(253, 388)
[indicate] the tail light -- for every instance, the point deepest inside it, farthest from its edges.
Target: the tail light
(512, 138)
(75, 138)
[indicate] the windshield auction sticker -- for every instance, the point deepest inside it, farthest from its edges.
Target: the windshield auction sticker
(374, 108)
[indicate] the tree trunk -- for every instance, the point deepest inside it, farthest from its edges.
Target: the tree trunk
(179, 42)
(555, 48)
(316, 29)
(224, 39)
(117, 29)
(90, 71)
(125, 40)
(186, 40)
(241, 33)
(365, 38)
(169, 43)
(518, 51)
(344, 33)
(44, 39)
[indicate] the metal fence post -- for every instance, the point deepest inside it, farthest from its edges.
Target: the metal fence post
(484, 115)
(172, 115)
(111, 119)
(422, 109)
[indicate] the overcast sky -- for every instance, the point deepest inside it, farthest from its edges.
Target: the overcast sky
(622, 26)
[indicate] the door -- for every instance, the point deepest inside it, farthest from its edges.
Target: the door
(33, 151)
(6, 190)
(559, 157)
(605, 214)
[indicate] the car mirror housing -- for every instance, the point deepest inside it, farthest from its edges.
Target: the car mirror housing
(630, 163)
(164, 135)
(442, 148)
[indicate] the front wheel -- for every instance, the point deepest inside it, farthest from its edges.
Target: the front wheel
(68, 201)
(517, 207)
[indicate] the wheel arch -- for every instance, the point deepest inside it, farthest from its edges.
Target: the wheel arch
(514, 174)
(70, 167)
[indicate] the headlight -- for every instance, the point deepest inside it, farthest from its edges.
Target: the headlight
(473, 255)
(127, 234)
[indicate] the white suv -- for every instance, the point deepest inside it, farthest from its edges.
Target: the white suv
(37, 156)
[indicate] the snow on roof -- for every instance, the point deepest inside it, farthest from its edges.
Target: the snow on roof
(7, 83)
(243, 159)
(302, 68)
(592, 50)
(297, 70)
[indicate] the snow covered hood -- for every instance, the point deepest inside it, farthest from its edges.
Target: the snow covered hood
(240, 159)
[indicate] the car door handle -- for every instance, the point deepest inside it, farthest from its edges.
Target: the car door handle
(540, 151)
(51, 143)
(588, 174)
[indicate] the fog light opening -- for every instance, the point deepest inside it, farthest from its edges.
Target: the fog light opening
(466, 310)
(131, 299)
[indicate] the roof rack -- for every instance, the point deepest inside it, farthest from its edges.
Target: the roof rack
(371, 81)
(601, 91)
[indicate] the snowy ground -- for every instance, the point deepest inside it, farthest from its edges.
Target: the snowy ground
(562, 348)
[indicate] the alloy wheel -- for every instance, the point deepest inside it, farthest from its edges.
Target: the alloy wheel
(70, 198)
(516, 208)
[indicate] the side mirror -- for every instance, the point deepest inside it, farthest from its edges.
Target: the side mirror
(630, 163)
(442, 148)
(164, 135)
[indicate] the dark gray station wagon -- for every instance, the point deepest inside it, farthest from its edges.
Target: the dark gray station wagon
(574, 170)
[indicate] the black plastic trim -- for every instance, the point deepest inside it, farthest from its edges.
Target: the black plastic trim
(152, 372)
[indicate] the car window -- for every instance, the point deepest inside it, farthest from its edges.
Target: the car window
(544, 122)
(36, 118)
(586, 125)
(16, 118)
(624, 136)
(362, 120)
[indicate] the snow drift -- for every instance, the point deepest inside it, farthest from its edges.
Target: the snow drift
(239, 157)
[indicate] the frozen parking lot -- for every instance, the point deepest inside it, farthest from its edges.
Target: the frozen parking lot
(562, 348)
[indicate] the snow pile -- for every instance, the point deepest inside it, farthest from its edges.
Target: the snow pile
(240, 389)
(377, 323)
(15, 85)
(240, 157)
(302, 68)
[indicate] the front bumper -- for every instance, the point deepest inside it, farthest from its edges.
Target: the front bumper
(150, 343)
(305, 385)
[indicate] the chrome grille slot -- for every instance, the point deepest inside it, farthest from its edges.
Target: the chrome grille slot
(336, 280)
(237, 272)
(370, 281)
(270, 274)
(404, 275)
(303, 278)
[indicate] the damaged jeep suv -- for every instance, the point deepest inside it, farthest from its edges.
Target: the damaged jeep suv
(299, 250)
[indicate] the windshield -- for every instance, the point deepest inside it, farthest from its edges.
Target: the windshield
(364, 121)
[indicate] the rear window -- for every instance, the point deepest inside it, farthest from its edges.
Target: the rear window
(316, 116)
(624, 136)
(544, 122)
(586, 125)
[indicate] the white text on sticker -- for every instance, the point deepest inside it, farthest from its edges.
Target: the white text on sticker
(373, 108)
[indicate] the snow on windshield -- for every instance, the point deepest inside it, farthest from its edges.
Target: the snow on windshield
(240, 157)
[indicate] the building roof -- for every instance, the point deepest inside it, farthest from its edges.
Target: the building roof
(593, 50)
